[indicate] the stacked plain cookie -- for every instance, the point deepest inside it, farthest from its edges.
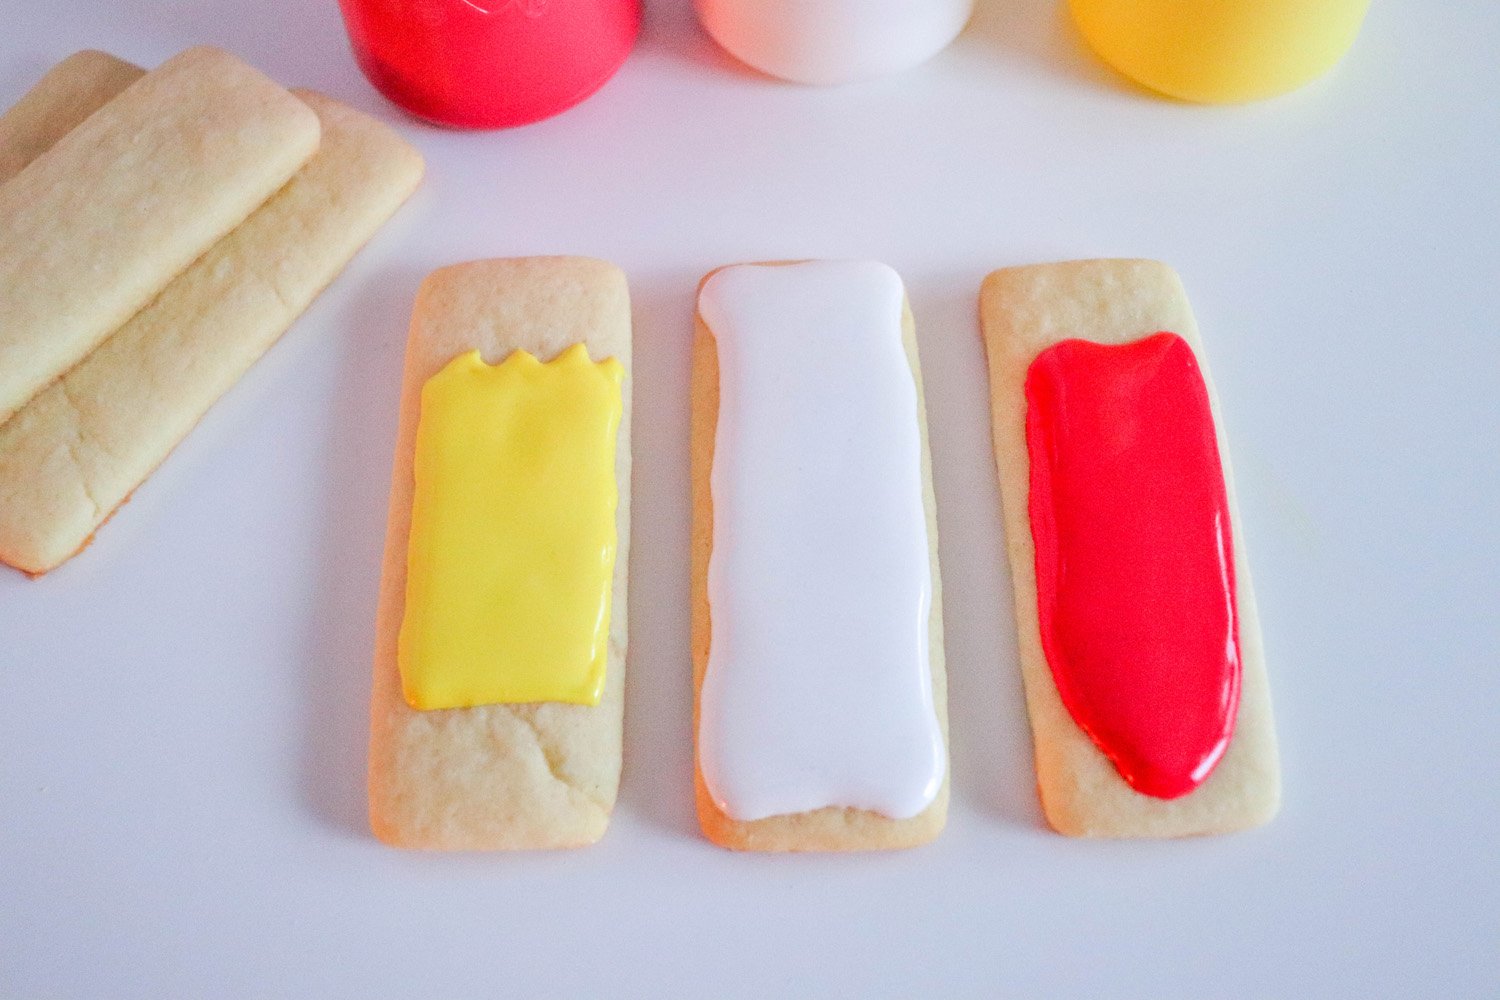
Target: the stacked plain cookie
(158, 232)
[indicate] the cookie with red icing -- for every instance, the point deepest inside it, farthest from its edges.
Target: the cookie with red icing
(1140, 646)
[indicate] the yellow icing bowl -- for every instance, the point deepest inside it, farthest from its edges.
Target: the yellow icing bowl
(1220, 51)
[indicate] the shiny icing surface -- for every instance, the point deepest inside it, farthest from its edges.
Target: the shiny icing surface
(490, 63)
(1134, 557)
(833, 41)
(818, 686)
(510, 562)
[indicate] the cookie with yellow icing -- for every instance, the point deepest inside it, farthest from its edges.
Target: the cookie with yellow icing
(530, 755)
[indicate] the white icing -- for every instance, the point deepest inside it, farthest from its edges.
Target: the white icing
(818, 688)
(833, 41)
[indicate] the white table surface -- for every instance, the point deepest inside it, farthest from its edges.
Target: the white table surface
(183, 747)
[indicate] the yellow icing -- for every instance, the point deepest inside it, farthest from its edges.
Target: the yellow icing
(511, 555)
(1219, 51)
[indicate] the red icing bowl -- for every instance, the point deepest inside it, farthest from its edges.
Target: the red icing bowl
(490, 63)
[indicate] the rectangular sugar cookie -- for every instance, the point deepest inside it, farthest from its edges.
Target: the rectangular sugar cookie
(77, 450)
(98, 224)
(67, 94)
(1025, 311)
(500, 776)
(780, 628)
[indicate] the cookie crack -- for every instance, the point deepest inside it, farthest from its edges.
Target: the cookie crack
(554, 766)
(75, 445)
(273, 285)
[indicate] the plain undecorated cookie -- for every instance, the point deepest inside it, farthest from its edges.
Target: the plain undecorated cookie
(98, 224)
(78, 449)
(69, 92)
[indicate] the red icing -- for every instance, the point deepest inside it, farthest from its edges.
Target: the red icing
(1134, 555)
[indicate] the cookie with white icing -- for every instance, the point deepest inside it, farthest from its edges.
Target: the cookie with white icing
(820, 708)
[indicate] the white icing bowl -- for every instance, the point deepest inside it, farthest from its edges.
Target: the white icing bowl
(833, 41)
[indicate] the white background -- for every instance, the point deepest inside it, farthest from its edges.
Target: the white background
(183, 739)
